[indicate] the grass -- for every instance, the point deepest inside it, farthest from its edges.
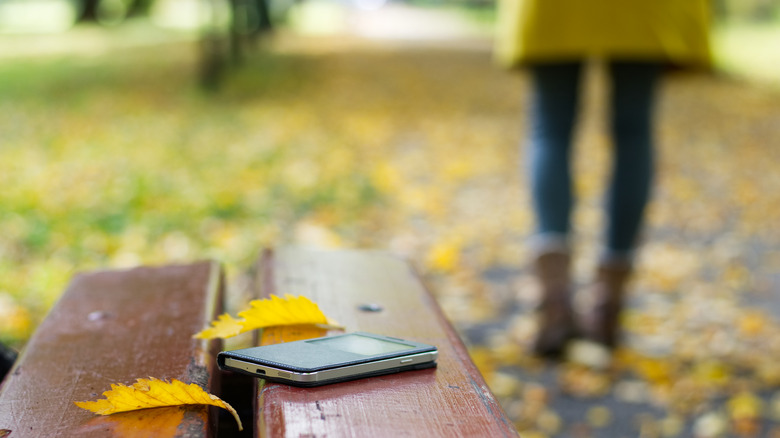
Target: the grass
(116, 161)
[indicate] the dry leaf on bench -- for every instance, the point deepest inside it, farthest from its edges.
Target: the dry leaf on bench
(154, 393)
(143, 423)
(271, 312)
(224, 327)
(4, 433)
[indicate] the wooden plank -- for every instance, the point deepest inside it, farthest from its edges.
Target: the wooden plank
(113, 327)
(451, 400)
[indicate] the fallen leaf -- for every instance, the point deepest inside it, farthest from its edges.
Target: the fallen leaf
(599, 416)
(654, 370)
(485, 361)
(289, 333)
(746, 427)
(270, 312)
(752, 323)
(672, 426)
(774, 407)
(582, 381)
(4, 433)
(768, 371)
(504, 384)
(224, 327)
(549, 422)
(445, 255)
(631, 391)
(277, 311)
(143, 423)
(649, 426)
(154, 393)
(745, 406)
(711, 424)
(712, 373)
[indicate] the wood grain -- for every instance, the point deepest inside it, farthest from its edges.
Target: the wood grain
(114, 327)
(449, 401)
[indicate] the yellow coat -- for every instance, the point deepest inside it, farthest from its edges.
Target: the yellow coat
(673, 31)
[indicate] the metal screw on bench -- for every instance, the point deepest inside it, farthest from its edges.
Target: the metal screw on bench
(371, 307)
(98, 315)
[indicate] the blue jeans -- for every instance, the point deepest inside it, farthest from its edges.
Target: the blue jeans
(554, 102)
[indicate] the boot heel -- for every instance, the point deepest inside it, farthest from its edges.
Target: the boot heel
(601, 323)
(556, 317)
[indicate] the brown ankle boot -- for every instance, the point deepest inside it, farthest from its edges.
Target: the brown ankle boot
(556, 326)
(601, 323)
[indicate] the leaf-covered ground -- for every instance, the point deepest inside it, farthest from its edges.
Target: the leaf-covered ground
(116, 160)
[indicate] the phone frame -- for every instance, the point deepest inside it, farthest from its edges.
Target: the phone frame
(250, 361)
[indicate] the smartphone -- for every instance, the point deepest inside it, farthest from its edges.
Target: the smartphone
(330, 359)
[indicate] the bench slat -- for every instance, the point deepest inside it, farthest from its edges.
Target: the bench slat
(451, 400)
(113, 327)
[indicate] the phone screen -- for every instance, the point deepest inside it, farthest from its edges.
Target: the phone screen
(362, 345)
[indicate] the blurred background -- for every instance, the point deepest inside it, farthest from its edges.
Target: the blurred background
(162, 131)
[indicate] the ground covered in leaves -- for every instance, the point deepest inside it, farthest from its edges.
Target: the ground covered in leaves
(116, 160)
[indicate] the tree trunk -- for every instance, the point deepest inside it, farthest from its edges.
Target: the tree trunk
(89, 10)
(264, 15)
(720, 9)
(139, 8)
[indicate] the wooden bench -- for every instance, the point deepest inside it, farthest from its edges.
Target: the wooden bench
(114, 327)
(374, 292)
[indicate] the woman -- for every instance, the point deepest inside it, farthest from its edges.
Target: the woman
(638, 40)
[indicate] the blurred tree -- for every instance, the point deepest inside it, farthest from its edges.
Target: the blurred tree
(720, 9)
(139, 7)
(764, 10)
(90, 9)
(249, 19)
(747, 10)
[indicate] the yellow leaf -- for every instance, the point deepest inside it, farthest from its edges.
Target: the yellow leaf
(752, 323)
(656, 371)
(711, 373)
(745, 405)
(289, 333)
(271, 312)
(143, 423)
(277, 311)
(445, 255)
(224, 327)
(154, 393)
(599, 416)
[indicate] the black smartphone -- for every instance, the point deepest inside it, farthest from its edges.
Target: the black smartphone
(330, 359)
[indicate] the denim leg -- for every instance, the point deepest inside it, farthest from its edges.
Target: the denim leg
(633, 91)
(553, 105)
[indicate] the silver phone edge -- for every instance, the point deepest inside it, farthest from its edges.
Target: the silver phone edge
(331, 373)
